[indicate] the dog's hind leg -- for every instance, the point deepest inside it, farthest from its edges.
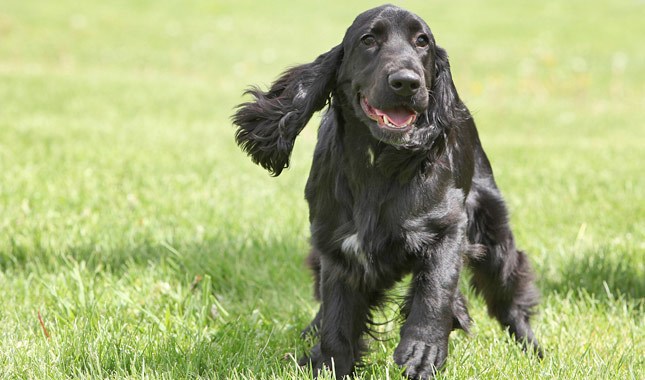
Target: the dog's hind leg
(502, 274)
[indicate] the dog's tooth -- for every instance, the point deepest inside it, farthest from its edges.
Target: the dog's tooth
(388, 122)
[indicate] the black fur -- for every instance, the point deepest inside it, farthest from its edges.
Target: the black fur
(415, 197)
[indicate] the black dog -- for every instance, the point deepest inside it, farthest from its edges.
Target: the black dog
(399, 184)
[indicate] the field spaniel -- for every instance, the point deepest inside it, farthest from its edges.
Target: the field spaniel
(399, 184)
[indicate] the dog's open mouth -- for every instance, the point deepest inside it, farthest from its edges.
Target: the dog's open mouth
(396, 119)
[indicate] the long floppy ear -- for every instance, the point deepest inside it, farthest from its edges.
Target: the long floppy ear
(446, 108)
(269, 125)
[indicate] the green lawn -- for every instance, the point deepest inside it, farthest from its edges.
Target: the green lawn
(152, 247)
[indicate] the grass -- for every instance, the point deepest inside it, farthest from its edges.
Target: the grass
(149, 246)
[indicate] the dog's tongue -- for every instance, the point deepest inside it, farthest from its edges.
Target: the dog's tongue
(399, 116)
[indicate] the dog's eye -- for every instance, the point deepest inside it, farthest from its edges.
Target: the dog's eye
(368, 40)
(422, 41)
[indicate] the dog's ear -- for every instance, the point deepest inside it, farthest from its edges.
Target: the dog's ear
(269, 125)
(445, 108)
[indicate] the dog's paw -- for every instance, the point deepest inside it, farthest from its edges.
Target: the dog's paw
(315, 361)
(319, 363)
(421, 359)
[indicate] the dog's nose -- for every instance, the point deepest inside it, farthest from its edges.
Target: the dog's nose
(404, 82)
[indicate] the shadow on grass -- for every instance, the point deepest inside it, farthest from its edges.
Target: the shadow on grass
(601, 272)
(241, 262)
(241, 266)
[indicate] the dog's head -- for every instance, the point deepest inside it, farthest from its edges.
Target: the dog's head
(387, 73)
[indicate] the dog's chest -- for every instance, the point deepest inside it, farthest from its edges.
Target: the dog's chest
(394, 225)
(375, 254)
(376, 222)
(352, 248)
(380, 229)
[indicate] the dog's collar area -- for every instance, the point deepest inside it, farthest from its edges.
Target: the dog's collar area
(398, 119)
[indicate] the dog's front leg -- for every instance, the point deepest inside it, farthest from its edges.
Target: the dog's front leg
(344, 311)
(424, 336)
